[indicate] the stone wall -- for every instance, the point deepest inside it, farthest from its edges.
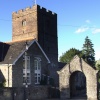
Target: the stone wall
(17, 74)
(19, 30)
(31, 93)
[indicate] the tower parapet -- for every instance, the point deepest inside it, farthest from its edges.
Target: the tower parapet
(32, 9)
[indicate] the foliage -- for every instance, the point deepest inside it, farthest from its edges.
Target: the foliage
(88, 52)
(68, 55)
(51, 82)
(44, 81)
(2, 84)
(98, 67)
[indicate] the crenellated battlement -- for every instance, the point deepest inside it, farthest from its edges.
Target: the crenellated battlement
(42, 9)
(22, 10)
(31, 10)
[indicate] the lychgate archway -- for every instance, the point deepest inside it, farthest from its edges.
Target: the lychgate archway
(78, 85)
(70, 83)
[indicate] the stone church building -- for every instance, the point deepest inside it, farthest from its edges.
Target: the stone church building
(36, 28)
(32, 56)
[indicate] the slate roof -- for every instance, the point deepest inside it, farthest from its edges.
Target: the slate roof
(14, 50)
(3, 50)
(61, 65)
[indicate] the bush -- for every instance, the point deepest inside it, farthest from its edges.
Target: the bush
(2, 84)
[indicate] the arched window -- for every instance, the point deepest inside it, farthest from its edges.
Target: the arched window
(28, 78)
(37, 67)
(24, 22)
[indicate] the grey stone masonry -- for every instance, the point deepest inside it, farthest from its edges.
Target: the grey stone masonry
(78, 64)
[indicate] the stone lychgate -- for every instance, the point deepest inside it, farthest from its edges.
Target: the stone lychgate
(78, 79)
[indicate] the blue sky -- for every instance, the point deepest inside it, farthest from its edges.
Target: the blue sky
(76, 20)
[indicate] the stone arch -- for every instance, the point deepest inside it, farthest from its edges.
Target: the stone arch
(78, 64)
(77, 83)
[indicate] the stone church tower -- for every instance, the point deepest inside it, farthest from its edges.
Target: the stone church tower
(40, 24)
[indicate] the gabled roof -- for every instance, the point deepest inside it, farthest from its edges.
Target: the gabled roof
(17, 49)
(61, 65)
(77, 63)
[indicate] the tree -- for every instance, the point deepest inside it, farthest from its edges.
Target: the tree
(98, 67)
(68, 55)
(88, 52)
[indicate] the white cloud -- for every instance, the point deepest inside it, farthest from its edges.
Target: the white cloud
(97, 55)
(97, 30)
(88, 21)
(81, 30)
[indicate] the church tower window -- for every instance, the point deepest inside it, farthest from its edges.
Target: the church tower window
(24, 22)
